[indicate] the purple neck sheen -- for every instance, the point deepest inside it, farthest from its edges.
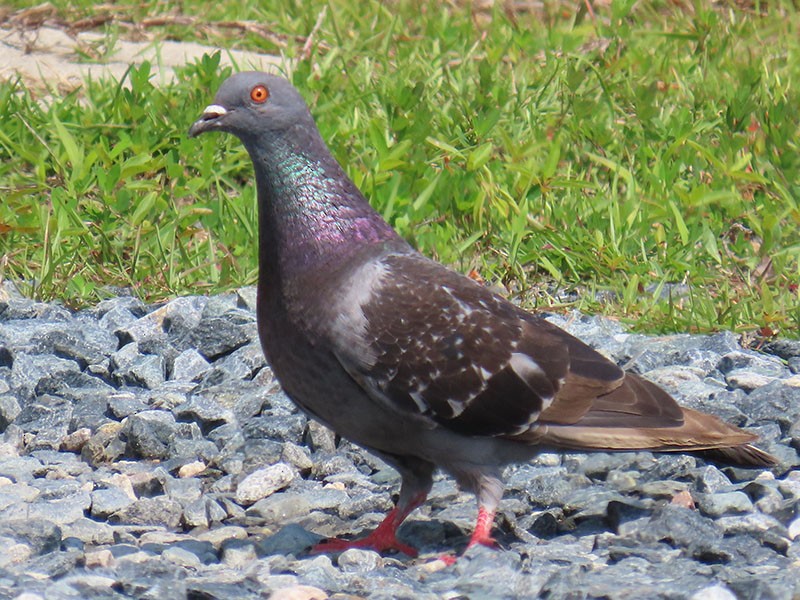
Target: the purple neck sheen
(311, 214)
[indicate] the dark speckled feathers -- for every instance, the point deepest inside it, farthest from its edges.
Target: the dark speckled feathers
(434, 343)
(444, 349)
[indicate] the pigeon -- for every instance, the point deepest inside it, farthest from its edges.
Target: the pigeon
(417, 364)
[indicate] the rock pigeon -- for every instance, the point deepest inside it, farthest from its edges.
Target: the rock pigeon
(410, 360)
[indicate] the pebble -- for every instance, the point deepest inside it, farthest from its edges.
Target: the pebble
(263, 482)
(147, 451)
(192, 469)
(716, 505)
(299, 592)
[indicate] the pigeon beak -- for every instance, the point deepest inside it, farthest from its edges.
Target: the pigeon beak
(209, 120)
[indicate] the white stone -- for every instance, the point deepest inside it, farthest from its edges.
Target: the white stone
(263, 482)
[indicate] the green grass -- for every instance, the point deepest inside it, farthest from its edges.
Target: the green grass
(549, 151)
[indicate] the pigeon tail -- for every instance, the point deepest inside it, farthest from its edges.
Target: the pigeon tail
(699, 433)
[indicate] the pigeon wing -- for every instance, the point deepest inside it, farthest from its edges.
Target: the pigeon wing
(423, 339)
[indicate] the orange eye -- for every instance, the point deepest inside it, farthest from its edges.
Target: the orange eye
(259, 94)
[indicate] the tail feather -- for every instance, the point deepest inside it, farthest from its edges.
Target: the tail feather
(745, 455)
(700, 433)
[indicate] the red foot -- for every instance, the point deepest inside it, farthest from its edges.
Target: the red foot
(380, 540)
(483, 530)
(480, 535)
(379, 543)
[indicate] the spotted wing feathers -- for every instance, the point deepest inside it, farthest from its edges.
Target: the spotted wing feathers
(437, 344)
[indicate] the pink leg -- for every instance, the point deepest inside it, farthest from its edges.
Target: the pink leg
(382, 538)
(482, 534)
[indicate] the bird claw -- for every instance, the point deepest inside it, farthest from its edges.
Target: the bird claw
(380, 542)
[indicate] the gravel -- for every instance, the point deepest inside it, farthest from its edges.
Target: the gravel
(148, 452)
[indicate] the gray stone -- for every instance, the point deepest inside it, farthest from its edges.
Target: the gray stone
(356, 560)
(794, 529)
(243, 362)
(146, 329)
(186, 448)
(774, 401)
(677, 526)
(108, 501)
(785, 349)
(750, 523)
(86, 344)
(771, 502)
(222, 305)
(238, 554)
(40, 536)
(609, 529)
(747, 379)
(153, 579)
(48, 417)
(54, 564)
(218, 536)
(711, 480)
(217, 336)
(722, 503)
(89, 407)
(29, 370)
(752, 361)
(183, 314)
(150, 511)
(263, 482)
(89, 531)
(91, 585)
(181, 557)
(19, 468)
(674, 376)
(321, 438)
(546, 486)
(247, 298)
(195, 513)
(726, 404)
(125, 403)
(216, 513)
(21, 336)
(9, 410)
(713, 592)
(183, 490)
(189, 365)
(117, 318)
(700, 359)
(123, 299)
(203, 410)
(149, 434)
(291, 539)
(297, 456)
(139, 370)
(276, 427)
(60, 511)
(282, 507)
(358, 503)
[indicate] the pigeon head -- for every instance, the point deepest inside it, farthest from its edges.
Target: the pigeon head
(251, 105)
